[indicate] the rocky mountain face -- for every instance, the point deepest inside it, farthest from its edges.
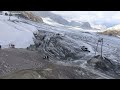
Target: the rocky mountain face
(86, 25)
(112, 31)
(28, 15)
(56, 18)
(59, 19)
(83, 25)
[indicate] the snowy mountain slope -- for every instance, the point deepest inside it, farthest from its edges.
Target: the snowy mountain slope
(55, 19)
(100, 27)
(111, 44)
(21, 34)
(58, 19)
(49, 21)
(15, 32)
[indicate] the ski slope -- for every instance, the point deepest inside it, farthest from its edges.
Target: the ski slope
(15, 32)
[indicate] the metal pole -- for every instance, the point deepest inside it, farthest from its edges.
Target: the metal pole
(101, 46)
(96, 48)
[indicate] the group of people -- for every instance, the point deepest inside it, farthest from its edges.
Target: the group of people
(10, 46)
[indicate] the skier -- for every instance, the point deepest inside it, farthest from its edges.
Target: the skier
(0, 46)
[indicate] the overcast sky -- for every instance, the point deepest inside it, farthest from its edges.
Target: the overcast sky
(97, 17)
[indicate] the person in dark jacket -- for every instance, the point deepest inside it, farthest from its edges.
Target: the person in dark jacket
(46, 57)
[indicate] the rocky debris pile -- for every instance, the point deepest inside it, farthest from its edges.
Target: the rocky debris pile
(101, 63)
(58, 45)
(105, 65)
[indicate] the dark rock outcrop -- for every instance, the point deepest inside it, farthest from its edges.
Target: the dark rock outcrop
(58, 45)
(102, 63)
(105, 65)
(85, 25)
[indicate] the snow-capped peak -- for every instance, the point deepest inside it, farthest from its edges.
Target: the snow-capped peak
(100, 27)
(116, 27)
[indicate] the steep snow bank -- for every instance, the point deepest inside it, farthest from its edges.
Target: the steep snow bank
(15, 32)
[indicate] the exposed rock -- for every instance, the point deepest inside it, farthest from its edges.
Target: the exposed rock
(102, 63)
(86, 25)
(31, 16)
(57, 18)
(28, 15)
(58, 45)
(105, 65)
(61, 20)
(111, 32)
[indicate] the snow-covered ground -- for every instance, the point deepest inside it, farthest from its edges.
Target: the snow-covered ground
(15, 32)
(51, 22)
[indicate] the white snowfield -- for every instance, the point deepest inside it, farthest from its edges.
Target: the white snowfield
(16, 32)
(51, 22)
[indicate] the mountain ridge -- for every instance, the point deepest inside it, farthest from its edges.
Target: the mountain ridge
(61, 20)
